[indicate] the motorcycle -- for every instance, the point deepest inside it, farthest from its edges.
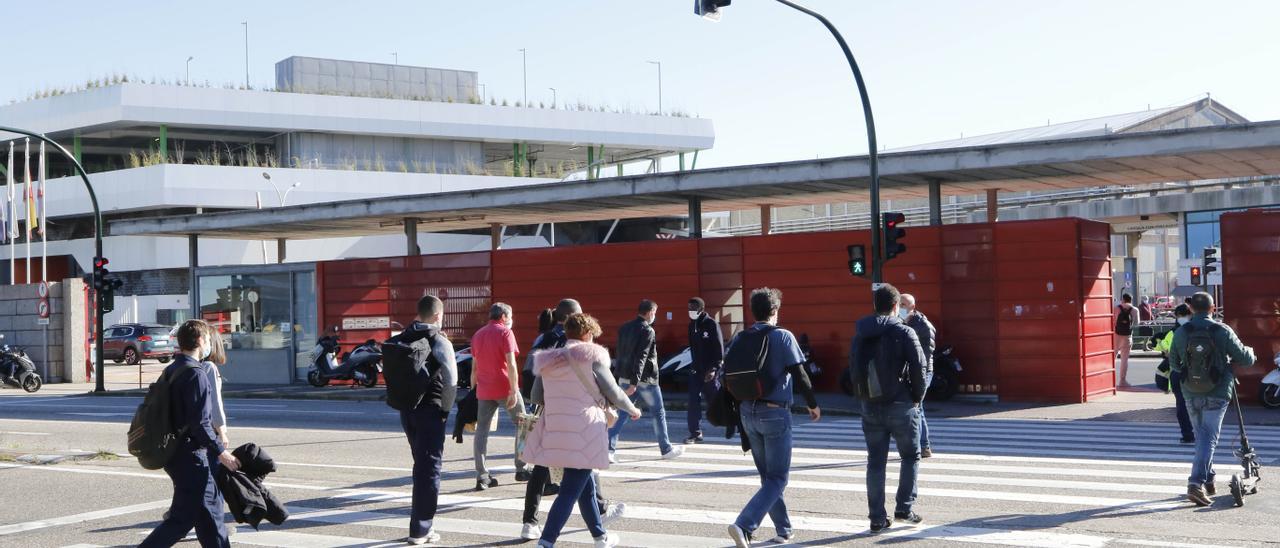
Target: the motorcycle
(1269, 394)
(946, 374)
(17, 369)
(362, 364)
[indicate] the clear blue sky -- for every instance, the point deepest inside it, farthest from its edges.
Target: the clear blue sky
(772, 79)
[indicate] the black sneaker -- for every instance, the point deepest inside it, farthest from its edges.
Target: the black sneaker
(909, 517)
(696, 438)
(1210, 489)
(523, 475)
(550, 490)
(1187, 440)
(876, 528)
(482, 484)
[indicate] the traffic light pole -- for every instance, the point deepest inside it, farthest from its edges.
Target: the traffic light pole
(877, 256)
(97, 243)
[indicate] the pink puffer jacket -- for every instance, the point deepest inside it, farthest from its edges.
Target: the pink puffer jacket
(572, 431)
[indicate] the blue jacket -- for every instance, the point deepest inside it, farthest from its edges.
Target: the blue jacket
(191, 403)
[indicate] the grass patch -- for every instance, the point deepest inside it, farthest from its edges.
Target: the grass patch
(103, 454)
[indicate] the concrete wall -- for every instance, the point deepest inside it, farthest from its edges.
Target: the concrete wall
(64, 359)
(338, 77)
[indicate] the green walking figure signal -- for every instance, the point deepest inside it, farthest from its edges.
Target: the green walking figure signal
(858, 260)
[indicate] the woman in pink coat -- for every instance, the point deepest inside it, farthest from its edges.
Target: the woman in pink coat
(574, 384)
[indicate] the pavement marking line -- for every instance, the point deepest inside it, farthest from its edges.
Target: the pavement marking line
(800, 523)
(82, 517)
(11, 433)
(505, 530)
(932, 465)
(1042, 425)
(1167, 544)
(1043, 498)
(289, 539)
(1050, 434)
(924, 478)
(98, 414)
(1049, 447)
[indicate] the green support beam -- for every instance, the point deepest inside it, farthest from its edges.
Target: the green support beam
(681, 161)
(591, 161)
(695, 160)
(619, 170)
(164, 142)
(516, 162)
(600, 155)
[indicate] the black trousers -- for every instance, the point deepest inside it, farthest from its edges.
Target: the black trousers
(424, 427)
(197, 502)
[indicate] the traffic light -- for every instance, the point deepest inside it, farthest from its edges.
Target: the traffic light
(107, 297)
(1210, 258)
(858, 260)
(709, 9)
(892, 233)
(99, 273)
(1195, 276)
(104, 286)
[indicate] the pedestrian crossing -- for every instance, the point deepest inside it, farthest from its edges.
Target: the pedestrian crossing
(980, 467)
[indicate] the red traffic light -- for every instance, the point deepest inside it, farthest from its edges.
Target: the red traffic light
(891, 220)
(99, 262)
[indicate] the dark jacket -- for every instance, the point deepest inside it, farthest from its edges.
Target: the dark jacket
(247, 498)
(637, 353)
(439, 375)
(706, 344)
(468, 413)
(1230, 353)
(903, 348)
(927, 335)
(191, 403)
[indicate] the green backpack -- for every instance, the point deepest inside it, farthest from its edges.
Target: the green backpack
(1200, 376)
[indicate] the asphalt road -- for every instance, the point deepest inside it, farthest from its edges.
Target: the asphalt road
(344, 473)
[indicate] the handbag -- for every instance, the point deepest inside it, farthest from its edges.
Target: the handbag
(610, 414)
(527, 423)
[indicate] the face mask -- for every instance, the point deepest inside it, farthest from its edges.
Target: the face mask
(904, 314)
(1183, 321)
(208, 351)
(693, 314)
(510, 322)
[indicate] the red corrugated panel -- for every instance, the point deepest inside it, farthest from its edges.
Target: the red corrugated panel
(1251, 288)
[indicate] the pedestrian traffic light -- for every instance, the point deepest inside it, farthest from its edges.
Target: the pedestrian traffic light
(1208, 260)
(858, 260)
(892, 233)
(709, 9)
(1195, 275)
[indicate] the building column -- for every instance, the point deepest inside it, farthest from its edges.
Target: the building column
(935, 202)
(411, 237)
(695, 217)
(993, 206)
(495, 236)
(591, 161)
(516, 160)
(193, 283)
(164, 142)
(766, 219)
(280, 248)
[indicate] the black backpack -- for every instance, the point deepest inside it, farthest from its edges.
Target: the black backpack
(744, 362)
(411, 371)
(1124, 322)
(153, 440)
(878, 379)
(1200, 375)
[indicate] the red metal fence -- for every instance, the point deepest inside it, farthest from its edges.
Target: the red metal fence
(1251, 288)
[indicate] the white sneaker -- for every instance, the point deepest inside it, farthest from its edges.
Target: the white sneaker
(614, 512)
(609, 540)
(674, 453)
(530, 531)
(740, 537)
(783, 540)
(613, 459)
(431, 538)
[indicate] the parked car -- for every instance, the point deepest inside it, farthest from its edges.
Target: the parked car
(133, 342)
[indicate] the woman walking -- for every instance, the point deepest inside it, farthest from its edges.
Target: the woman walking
(576, 389)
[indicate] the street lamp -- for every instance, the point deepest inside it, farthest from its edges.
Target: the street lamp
(710, 9)
(524, 64)
(280, 196)
(659, 63)
(553, 97)
(395, 56)
(246, 53)
(189, 59)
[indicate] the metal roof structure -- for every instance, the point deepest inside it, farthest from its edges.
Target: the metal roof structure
(1239, 150)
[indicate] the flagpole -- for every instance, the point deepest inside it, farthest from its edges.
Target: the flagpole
(26, 167)
(8, 229)
(44, 219)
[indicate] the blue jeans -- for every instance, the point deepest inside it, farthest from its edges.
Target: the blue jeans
(1180, 403)
(577, 486)
(1206, 418)
(197, 502)
(901, 420)
(769, 430)
(652, 396)
(924, 424)
(699, 390)
(424, 427)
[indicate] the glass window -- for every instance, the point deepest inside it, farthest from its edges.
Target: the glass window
(304, 321)
(158, 331)
(249, 308)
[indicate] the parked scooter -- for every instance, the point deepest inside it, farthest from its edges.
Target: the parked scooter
(946, 374)
(17, 369)
(462, 362)
(1269, 395)
(362, 364)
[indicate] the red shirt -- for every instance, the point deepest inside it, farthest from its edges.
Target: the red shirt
(489, 348)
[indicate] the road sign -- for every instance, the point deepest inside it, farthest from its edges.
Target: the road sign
(43, 289)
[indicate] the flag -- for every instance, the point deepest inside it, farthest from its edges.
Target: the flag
(31, 206)
(44, 219)
(4, 215)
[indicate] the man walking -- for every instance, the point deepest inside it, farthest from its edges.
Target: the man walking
(766, 421)
(638, 368)
(917, 321)
(496, 381)
(197, 501)
(706, 347)
(1126, 320)
(1183, 316)
(887, 360)
(1202, 354)
(424, 424)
